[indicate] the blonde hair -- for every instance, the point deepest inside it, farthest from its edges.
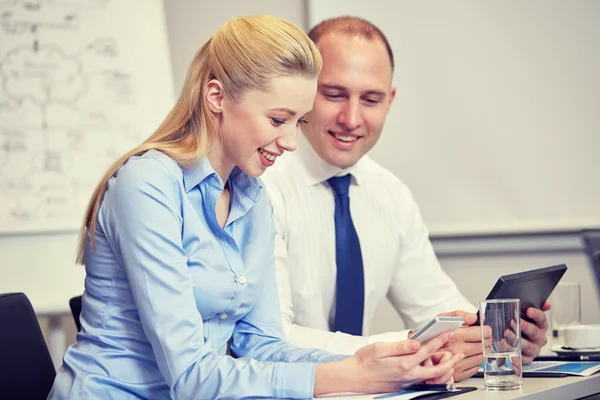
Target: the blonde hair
(244, 54)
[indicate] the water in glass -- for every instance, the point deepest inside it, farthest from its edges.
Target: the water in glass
(503, 371)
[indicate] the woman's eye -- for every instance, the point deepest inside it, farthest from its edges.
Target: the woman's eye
(277, 121)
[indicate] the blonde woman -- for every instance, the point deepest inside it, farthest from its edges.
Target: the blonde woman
(177, 242)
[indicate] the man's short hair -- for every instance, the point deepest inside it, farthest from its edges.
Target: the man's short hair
(351, 26)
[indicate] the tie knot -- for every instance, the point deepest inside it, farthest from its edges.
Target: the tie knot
(340, 184)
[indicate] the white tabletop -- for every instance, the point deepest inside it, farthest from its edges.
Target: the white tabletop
(537, 389)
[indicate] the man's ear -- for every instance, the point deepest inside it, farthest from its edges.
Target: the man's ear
(392, 94)
(213, 95)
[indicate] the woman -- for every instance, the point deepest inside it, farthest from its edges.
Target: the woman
(178, 246)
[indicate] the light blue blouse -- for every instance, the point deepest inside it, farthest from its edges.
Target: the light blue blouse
(167, 289)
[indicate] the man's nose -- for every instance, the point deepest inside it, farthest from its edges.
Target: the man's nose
(350, 114)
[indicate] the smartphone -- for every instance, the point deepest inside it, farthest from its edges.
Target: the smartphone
(437, 326)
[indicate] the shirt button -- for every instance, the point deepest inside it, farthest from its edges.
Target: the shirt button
(242, 279)
(223, 316)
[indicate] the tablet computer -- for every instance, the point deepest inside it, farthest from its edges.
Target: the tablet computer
(532, 287)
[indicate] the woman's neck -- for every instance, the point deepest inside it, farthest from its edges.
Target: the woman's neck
(219, 163)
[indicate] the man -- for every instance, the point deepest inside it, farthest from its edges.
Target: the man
(348, 231)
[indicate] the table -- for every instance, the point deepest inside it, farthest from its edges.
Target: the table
(573, 387)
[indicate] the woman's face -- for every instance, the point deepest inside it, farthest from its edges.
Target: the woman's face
(262, 125)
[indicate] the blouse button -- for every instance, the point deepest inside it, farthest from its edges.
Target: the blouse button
(223, 316)
(242, 279)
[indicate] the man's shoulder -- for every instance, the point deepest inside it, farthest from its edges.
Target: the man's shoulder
(284, 173)
(378, 174)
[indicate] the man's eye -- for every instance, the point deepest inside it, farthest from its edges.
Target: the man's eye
(302, 121)
(277, 121)
(333, 96)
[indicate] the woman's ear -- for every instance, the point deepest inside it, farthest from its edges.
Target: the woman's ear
(213, 95)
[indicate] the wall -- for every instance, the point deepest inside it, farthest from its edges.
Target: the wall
(468, 262)
(189, 24)
(494, 125)
(475, 269)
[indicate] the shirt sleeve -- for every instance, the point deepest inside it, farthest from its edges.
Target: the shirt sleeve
(420, 289)
(301, 336)
(142, 210)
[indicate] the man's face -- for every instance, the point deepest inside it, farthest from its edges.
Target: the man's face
(354, 95)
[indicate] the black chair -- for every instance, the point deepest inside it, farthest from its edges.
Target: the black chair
(26, 368)
(75, 304)
(591, 238)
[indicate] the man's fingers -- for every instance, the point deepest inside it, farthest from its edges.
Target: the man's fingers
(504, 346)
(471, 349)
(487, 332)
(534, 333)
(468, 317)
(546, 306)
(530, 349)
(488, 342)
(538, 317)
(455, 313)
(510, 338)
(469, 362)
(466, 374)
(527, 360)
(470, 334)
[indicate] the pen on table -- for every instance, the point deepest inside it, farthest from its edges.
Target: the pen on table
(434, 388)
(567, 358)
(421, 388)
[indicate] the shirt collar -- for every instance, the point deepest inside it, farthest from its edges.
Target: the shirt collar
(249, 186)
(317, 170)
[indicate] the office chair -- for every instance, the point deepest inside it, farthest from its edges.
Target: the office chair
(26, 368)
(591, 238)
(75, 304)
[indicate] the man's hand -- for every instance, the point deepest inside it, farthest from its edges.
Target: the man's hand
(468, 341)
(533, 335)
(388, 367)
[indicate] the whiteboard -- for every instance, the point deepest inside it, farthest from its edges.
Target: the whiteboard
(496, 123)
(83, 81)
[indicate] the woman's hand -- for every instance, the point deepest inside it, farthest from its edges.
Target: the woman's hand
(435, 359)
(387, 367)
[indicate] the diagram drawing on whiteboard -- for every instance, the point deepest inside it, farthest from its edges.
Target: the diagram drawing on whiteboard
(68, 107)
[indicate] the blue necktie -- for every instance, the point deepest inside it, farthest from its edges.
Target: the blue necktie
(350, 281)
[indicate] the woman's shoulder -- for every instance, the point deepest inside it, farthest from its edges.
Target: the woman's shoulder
(152, 166)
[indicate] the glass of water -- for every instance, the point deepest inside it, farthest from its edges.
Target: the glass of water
(502, 364)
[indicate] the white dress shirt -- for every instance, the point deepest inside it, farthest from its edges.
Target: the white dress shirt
(398, 258)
